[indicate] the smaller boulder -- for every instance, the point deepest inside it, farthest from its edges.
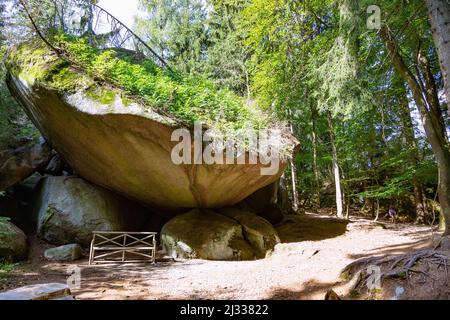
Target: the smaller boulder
(13, 242)
(229, 234)
(68, 252)
(205, 235)
(18, 164)
(68, 209)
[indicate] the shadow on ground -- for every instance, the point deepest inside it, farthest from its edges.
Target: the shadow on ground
(394, 249)
(309, 290)
(310, 228)
(107, 280)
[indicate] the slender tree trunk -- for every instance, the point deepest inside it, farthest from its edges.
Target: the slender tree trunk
(430, 92)
(422, 213)
(383, 133)
(247, 81)
(293, 177)
(347, 207)
(294, 186)
(372, 208)
(438, 142)
(442, 223)
(337, 178)
(439, 14)
(377, 212)
(314, 151)
(283, 195)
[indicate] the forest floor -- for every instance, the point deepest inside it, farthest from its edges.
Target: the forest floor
(308, 262)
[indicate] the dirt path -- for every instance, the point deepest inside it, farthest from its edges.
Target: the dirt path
(308, 263)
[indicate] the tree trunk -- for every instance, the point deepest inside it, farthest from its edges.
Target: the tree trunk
(294, 186)
(442, 224)
(337, 178)
(430, 91)
(422, 213)
(438, 142)
(347, 208)
(283, 195)
(377, 212)
(293, 177)
(314, 150)
(439, 15)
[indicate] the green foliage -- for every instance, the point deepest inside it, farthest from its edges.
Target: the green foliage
(14, 124)
(177, 30)
(320, 56)
(6, 268)
(189, 99)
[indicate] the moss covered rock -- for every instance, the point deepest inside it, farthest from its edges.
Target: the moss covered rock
(13, 242)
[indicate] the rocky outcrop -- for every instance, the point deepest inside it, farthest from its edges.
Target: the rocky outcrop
(68, 209)
(68, 252)
(13, 242)
(18, 164)
(213, 236)
(126, 147)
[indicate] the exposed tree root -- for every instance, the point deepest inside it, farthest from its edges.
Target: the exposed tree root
(398, 266)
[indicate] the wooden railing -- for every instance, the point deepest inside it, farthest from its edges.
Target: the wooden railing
(122, 246)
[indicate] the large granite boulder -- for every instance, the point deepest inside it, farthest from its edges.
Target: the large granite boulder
(68, 209)
(209, 235)
(13, 242)
(126, 146)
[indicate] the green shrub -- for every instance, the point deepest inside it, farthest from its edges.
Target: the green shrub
(6, 268)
